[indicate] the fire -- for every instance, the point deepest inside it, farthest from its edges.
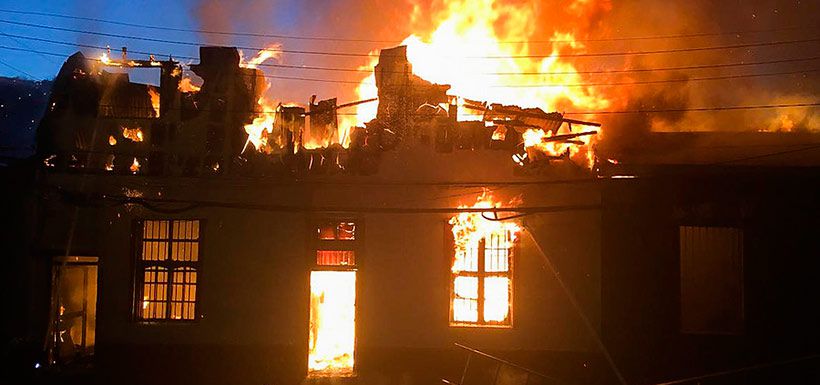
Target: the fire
(112, 140)
(135, 134)
(537, 141)
(262, 127)
(467, 50)
(185, 85)
(273, 51)
(135, 166)
(106, 59)
(469, 228)
(472, 233)
(154, 94)
(109, 163)
(332, 334)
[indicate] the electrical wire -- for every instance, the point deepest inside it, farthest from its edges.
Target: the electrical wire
(548, 85)
(697, 109)
(337, 39)
(360, 70)
(30, 76)
(368, 55)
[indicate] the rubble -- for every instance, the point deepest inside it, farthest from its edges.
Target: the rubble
(178, 128)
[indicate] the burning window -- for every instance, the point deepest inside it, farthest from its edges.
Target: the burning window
(481, 291)
(167, 266)
(332, 333)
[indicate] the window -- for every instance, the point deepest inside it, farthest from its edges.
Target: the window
(482, 280)
(711, 280)
(168, 263)
(332, 327)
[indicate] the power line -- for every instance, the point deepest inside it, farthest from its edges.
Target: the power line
(353, 54)
(695, 109)
(553, 85)
(23, 45)
(698, 109)
(549, 85)
(357, 70)
(337, 39)
(30, 76)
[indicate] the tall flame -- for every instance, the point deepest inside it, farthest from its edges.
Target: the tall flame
(274, 51)
(469, 228)
(468, 50)
(154, 94)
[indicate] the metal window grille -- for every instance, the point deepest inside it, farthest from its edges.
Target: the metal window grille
(168, 263)
(336, 244)
(481, 292)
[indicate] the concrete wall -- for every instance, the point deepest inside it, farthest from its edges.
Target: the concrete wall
(253, 288)
(777, 212)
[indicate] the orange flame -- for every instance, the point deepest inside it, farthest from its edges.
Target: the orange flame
(273, 51)
(154, 94)
(467, 50)
(469, 228)
(259, 131)
(185, 85)
(135, 166)
(135, 134)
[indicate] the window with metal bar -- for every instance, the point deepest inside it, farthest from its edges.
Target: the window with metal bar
(168, 263)
(481, 292)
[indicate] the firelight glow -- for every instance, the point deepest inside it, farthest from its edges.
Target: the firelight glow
(332, 323)
(467, 47)
(464, 49)
(470, 231)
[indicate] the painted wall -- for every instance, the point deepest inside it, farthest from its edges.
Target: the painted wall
(777, 212)
(253, 287)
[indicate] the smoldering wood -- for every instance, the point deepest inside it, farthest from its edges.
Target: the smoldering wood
(202, 132)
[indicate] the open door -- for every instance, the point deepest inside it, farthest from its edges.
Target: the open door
(73, 308)
(332, 322)
(332, 328)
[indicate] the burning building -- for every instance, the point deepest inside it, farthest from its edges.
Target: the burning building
(206, 235)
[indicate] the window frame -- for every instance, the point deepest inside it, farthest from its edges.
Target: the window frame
(317, 244)
(741, 235)
(356, 245)
(139, 266)
(481, 274)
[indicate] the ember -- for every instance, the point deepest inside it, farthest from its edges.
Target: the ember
(135, 166)
(134, 134)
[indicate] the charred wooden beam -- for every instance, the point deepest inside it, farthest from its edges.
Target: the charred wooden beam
(340, 106)
(567, 137)
(537, 115)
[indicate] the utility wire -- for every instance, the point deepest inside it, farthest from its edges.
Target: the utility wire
(547, 85)
(368, 71)
(699, 109)
(354, 54)
(23, 45)
(553, 85)
(30, 76)
(337, 39)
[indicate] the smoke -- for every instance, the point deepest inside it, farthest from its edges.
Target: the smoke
(585, 20)
(651, 18)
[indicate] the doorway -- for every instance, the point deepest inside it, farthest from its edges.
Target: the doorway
(72, 330)
(332, 323)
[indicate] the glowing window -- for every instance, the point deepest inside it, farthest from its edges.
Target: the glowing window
(482, 280)
(168, 263)
(332, 328)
